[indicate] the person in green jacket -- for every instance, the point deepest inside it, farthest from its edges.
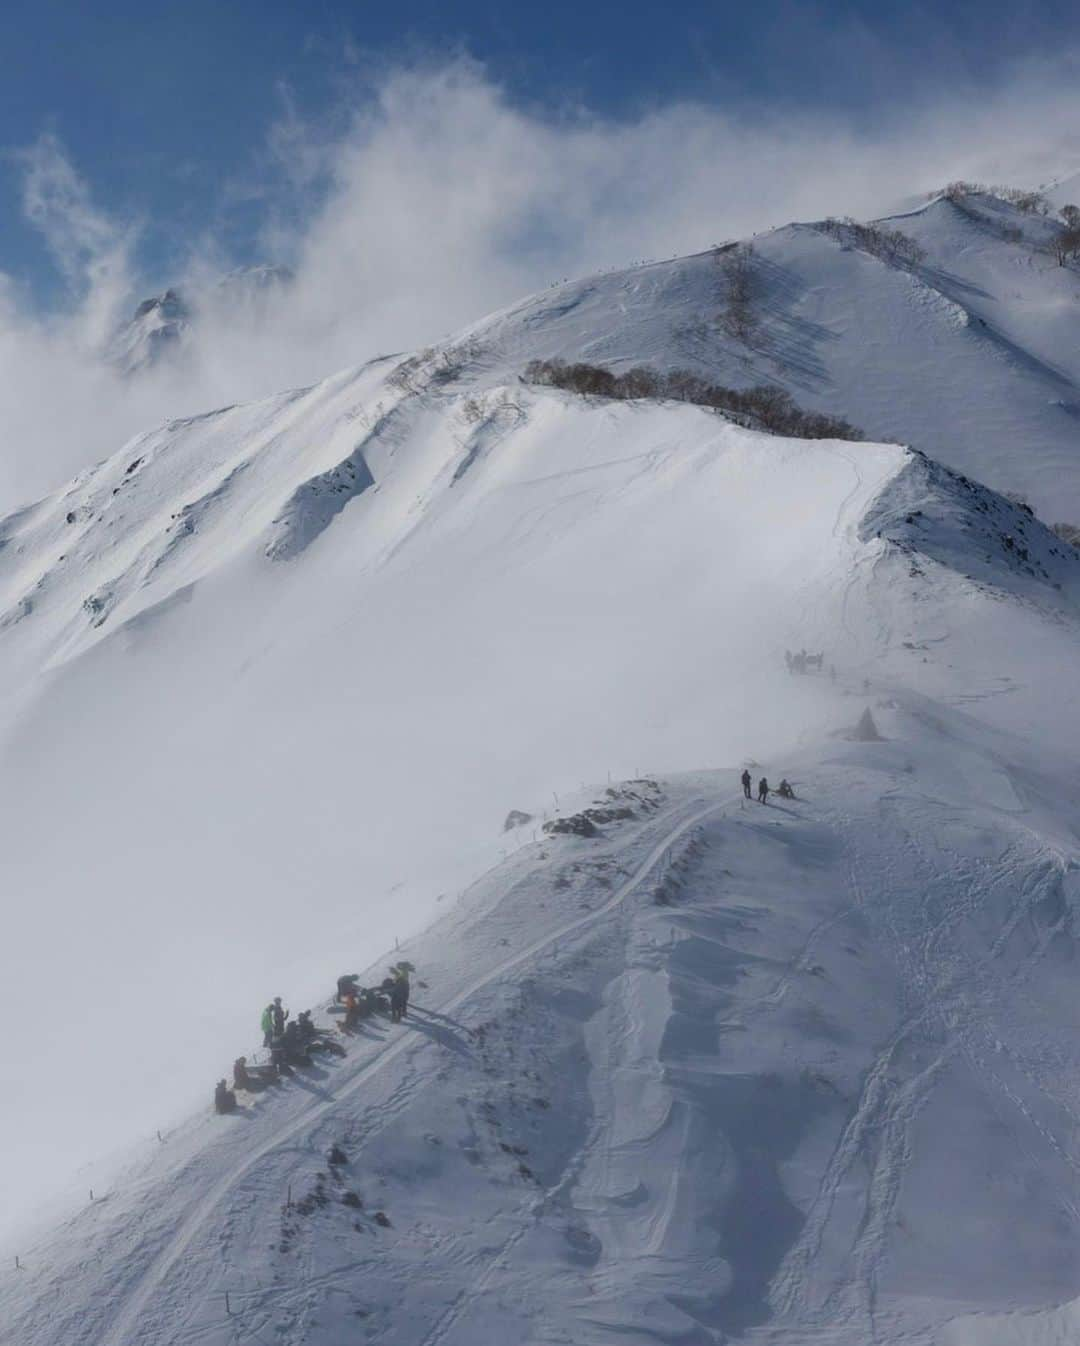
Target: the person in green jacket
(266, 1023)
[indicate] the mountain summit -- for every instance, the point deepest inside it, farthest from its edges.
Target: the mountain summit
(679, 1065)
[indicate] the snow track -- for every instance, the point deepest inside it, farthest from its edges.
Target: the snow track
(125, 1327)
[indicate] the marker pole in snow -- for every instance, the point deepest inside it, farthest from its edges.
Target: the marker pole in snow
(228, 1306)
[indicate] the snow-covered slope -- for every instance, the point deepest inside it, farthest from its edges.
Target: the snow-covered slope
(972, 354)
(272, 678)
(800, 1073)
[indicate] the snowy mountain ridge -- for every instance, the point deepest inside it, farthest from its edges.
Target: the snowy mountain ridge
(962, 353)
(711, 1071)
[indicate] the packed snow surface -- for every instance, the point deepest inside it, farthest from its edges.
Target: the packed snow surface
(273, 677)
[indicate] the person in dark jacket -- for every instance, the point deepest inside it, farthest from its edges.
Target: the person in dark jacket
(399, 994)
(296, 1049)
(280, 1015)
(763, 791)
(346, 984)
(224, 1098)
(784, 789)
(746, 783)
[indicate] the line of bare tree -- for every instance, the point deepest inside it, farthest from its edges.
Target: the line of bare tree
(1066, 245)
(737, 268)
(1030, 202)
(1063, 245)
(763, 407)
(891, 245)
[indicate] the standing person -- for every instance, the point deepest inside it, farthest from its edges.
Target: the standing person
(399, 992)
(746, 783)
(397, 1003)
(266, 1023)
(763, 791)
(224, 1098)
(280, 1015)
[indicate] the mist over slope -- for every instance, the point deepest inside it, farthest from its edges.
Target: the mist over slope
(274, 675)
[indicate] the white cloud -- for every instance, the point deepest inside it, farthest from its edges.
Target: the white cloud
(430, 198)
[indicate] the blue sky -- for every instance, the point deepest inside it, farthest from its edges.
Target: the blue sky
(164, 108)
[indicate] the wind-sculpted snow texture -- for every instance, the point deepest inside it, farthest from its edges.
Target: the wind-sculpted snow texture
(725, 1073)
(682, 1068)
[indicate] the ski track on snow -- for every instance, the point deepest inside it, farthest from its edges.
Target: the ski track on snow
(121, 1333)
(878, 1132)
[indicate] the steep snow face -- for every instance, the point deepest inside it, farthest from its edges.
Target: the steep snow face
(970, 355)
(273, 677)
(267, 667)
(721, 1072)
(301, 658)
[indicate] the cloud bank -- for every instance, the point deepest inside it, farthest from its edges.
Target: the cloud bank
(432, 198)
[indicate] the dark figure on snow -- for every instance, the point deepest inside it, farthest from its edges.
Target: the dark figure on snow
(345, 984)
(763, 791)
(224, 1098)
(266, 1023)
(279, 1058)
(240, 1077)
(745, 778)
(280, 1015)
(296, 1051)
(784, 790)
(399, 995)
(306, 1028)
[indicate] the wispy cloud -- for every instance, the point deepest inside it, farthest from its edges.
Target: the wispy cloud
(431, 196)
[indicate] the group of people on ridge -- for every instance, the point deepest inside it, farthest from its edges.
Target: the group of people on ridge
(392, 995)
(784, 789)
(291, 1041)
(801, 662)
